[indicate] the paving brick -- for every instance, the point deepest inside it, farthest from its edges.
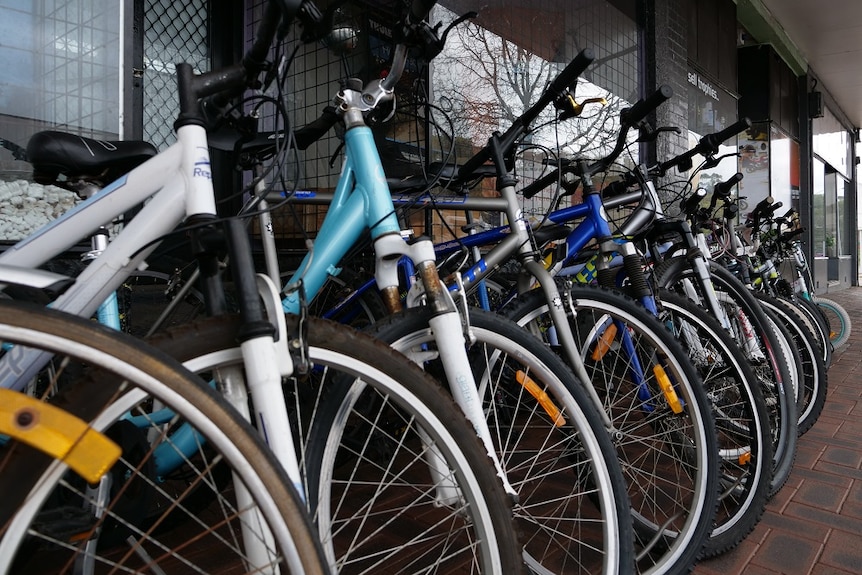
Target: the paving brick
(842, 522)
(842, 456)
(823, 495)
(843, 550)
(855, 492)
(839, 407)
(821, 569)
(807, 455)
(830, 471)
(806, 529)
(786, 553)
(837, 478)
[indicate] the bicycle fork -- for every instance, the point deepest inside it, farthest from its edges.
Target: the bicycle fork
(448, 330)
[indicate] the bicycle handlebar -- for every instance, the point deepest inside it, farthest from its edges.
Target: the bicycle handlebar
(557, 87)
(628, 118)
(641, 108)
(722, 189)
(708, 144)
(690, 204)
(310, 133)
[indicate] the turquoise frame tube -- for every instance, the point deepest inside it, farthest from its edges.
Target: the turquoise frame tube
(362, 201)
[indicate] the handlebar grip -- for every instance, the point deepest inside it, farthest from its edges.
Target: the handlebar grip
(419, 10)
(690, 204)
(534, 188)
(643, 107)
(723, 188)
(310, 133)
(571, 72)
(788, 215)
(762, 206)
(774, 207)
(712, 141)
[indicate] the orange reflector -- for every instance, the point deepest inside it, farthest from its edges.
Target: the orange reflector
(57, 433)
(667, 389)
(546, 402)
(603, 346)
(745, 458)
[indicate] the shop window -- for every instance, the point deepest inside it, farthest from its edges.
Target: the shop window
(60, 63)
(492, 68)
(832, 142)
(818, 207)
(784, 169)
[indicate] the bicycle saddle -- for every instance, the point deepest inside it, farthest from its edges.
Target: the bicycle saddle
(53, 153)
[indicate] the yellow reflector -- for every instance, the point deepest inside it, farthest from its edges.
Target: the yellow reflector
(667, 389)
(546, 402)
(745, 458)
(57, 433)
(603, 346)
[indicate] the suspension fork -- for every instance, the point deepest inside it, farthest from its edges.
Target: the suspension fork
(448, 330)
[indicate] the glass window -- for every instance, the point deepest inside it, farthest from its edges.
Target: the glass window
(784, 169)
(832, 142)
(60, 62)
(844, 242)
(494, 67)
(818, 207)
(754, 151)
(830, 211)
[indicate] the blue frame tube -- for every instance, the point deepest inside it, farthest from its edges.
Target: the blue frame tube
(358, 205)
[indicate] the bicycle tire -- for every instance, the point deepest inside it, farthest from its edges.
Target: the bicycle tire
(45, 507)
(670, 459)
(838, 319)
(814, 375)
(744, 437)
(568, 526)
(818, 325)
(482, 524)
(770, 365)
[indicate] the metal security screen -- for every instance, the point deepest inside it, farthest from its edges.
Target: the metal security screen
(173, 32)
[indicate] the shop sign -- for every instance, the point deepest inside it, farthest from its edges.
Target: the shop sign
(695, 80)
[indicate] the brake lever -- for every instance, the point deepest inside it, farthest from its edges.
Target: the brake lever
(645, 134)
(712, 162)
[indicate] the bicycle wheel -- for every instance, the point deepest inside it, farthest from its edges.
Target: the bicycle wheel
(744, 438)
(818, 324)
(838, 320)
(53, 520)
(814, 377)
(663, 428)
(407, 485)
(572, 509)
(764, 351)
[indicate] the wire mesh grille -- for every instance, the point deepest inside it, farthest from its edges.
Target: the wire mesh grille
(406, 140)
(173, 32)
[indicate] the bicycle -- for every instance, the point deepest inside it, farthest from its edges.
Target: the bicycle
(120, 514)
(461, 482)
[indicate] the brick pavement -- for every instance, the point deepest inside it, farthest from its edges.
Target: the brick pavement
(813, 526)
